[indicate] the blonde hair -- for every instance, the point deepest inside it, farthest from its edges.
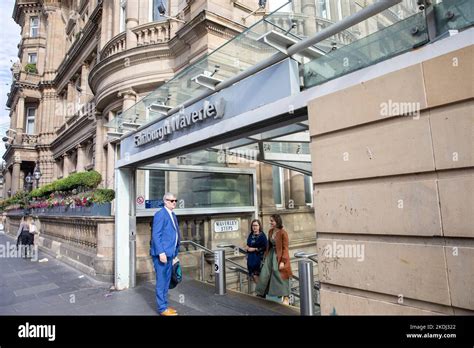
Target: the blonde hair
(28, 220)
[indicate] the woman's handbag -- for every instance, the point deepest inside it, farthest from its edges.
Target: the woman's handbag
(176, 275)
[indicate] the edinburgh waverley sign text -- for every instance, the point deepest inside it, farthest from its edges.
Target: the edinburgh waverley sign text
(181, 121)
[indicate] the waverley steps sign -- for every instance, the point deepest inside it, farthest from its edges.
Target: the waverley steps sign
(182, 121)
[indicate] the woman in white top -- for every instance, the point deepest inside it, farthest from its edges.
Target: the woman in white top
(25, 235)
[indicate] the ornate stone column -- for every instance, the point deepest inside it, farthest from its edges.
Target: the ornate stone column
(55, 170)
(20, 117)
(99, 161)
(131, 22)
(308, 8)
(8, 182)
(110, 160)
(80, 157)
(70, 105)
(16, 177)
(86, 93)
(66, 164)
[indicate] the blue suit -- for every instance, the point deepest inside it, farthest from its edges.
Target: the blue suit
(164, 239)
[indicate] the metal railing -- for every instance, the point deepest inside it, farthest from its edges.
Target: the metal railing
(305, 273)
(220, 264)
(306, 281)
(306, 302)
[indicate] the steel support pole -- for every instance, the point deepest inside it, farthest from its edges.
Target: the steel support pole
(133, 230)
(305, 273)
(219, 270)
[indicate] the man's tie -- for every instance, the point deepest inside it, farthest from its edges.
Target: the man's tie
(175, 219)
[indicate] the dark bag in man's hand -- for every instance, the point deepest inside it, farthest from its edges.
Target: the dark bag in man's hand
(176, 275)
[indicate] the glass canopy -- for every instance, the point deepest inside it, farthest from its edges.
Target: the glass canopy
(288, 24)
(391, 32)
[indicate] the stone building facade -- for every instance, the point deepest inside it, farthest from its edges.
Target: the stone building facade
(84, 62)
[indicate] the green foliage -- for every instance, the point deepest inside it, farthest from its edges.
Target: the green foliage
(31, 68)
(103, 196)
(74, 181)
(20, 199)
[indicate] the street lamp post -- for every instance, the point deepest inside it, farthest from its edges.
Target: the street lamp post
(29, 182)
(37, 174)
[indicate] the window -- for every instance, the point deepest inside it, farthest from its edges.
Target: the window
(274, 5)
(154, 10)
(155, 180)
(34, 26)
(323, 8)
(278, 186)
(32, 58)
(123, 14)
(30, 120)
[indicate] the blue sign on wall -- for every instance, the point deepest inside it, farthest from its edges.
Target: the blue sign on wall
(154, 203)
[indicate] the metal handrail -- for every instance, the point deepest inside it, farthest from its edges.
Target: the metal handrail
(292, 289)
(233, 247)
(209, 251)
(196, 245)
(309, 256)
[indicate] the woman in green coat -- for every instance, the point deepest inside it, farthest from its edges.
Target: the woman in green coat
(276, 271)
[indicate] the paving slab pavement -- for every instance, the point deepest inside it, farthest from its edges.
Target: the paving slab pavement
(55, 288)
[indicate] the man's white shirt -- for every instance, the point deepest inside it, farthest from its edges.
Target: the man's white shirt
(175, 227)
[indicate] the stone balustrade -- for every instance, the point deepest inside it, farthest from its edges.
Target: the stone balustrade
(147, 34)
(86, 243)
(114, 46)
(81, 233)
(152, 33)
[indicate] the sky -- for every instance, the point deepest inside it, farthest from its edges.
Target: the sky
(9, 39)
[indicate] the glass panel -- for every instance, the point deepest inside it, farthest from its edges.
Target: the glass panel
(34, 24)
(281, 147)
(228, 60)
(391, 32)
(32, 58)
(30, 128)
(385, 43)
(30, 112)
(156, 184)
(201, 189)
(454, 15)
(123, 15)
(156, 13)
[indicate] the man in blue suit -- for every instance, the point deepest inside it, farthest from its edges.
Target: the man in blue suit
(164, 249)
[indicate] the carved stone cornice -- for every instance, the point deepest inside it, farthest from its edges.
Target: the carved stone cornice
(22, 6)
(79, 132)
(77, 49)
